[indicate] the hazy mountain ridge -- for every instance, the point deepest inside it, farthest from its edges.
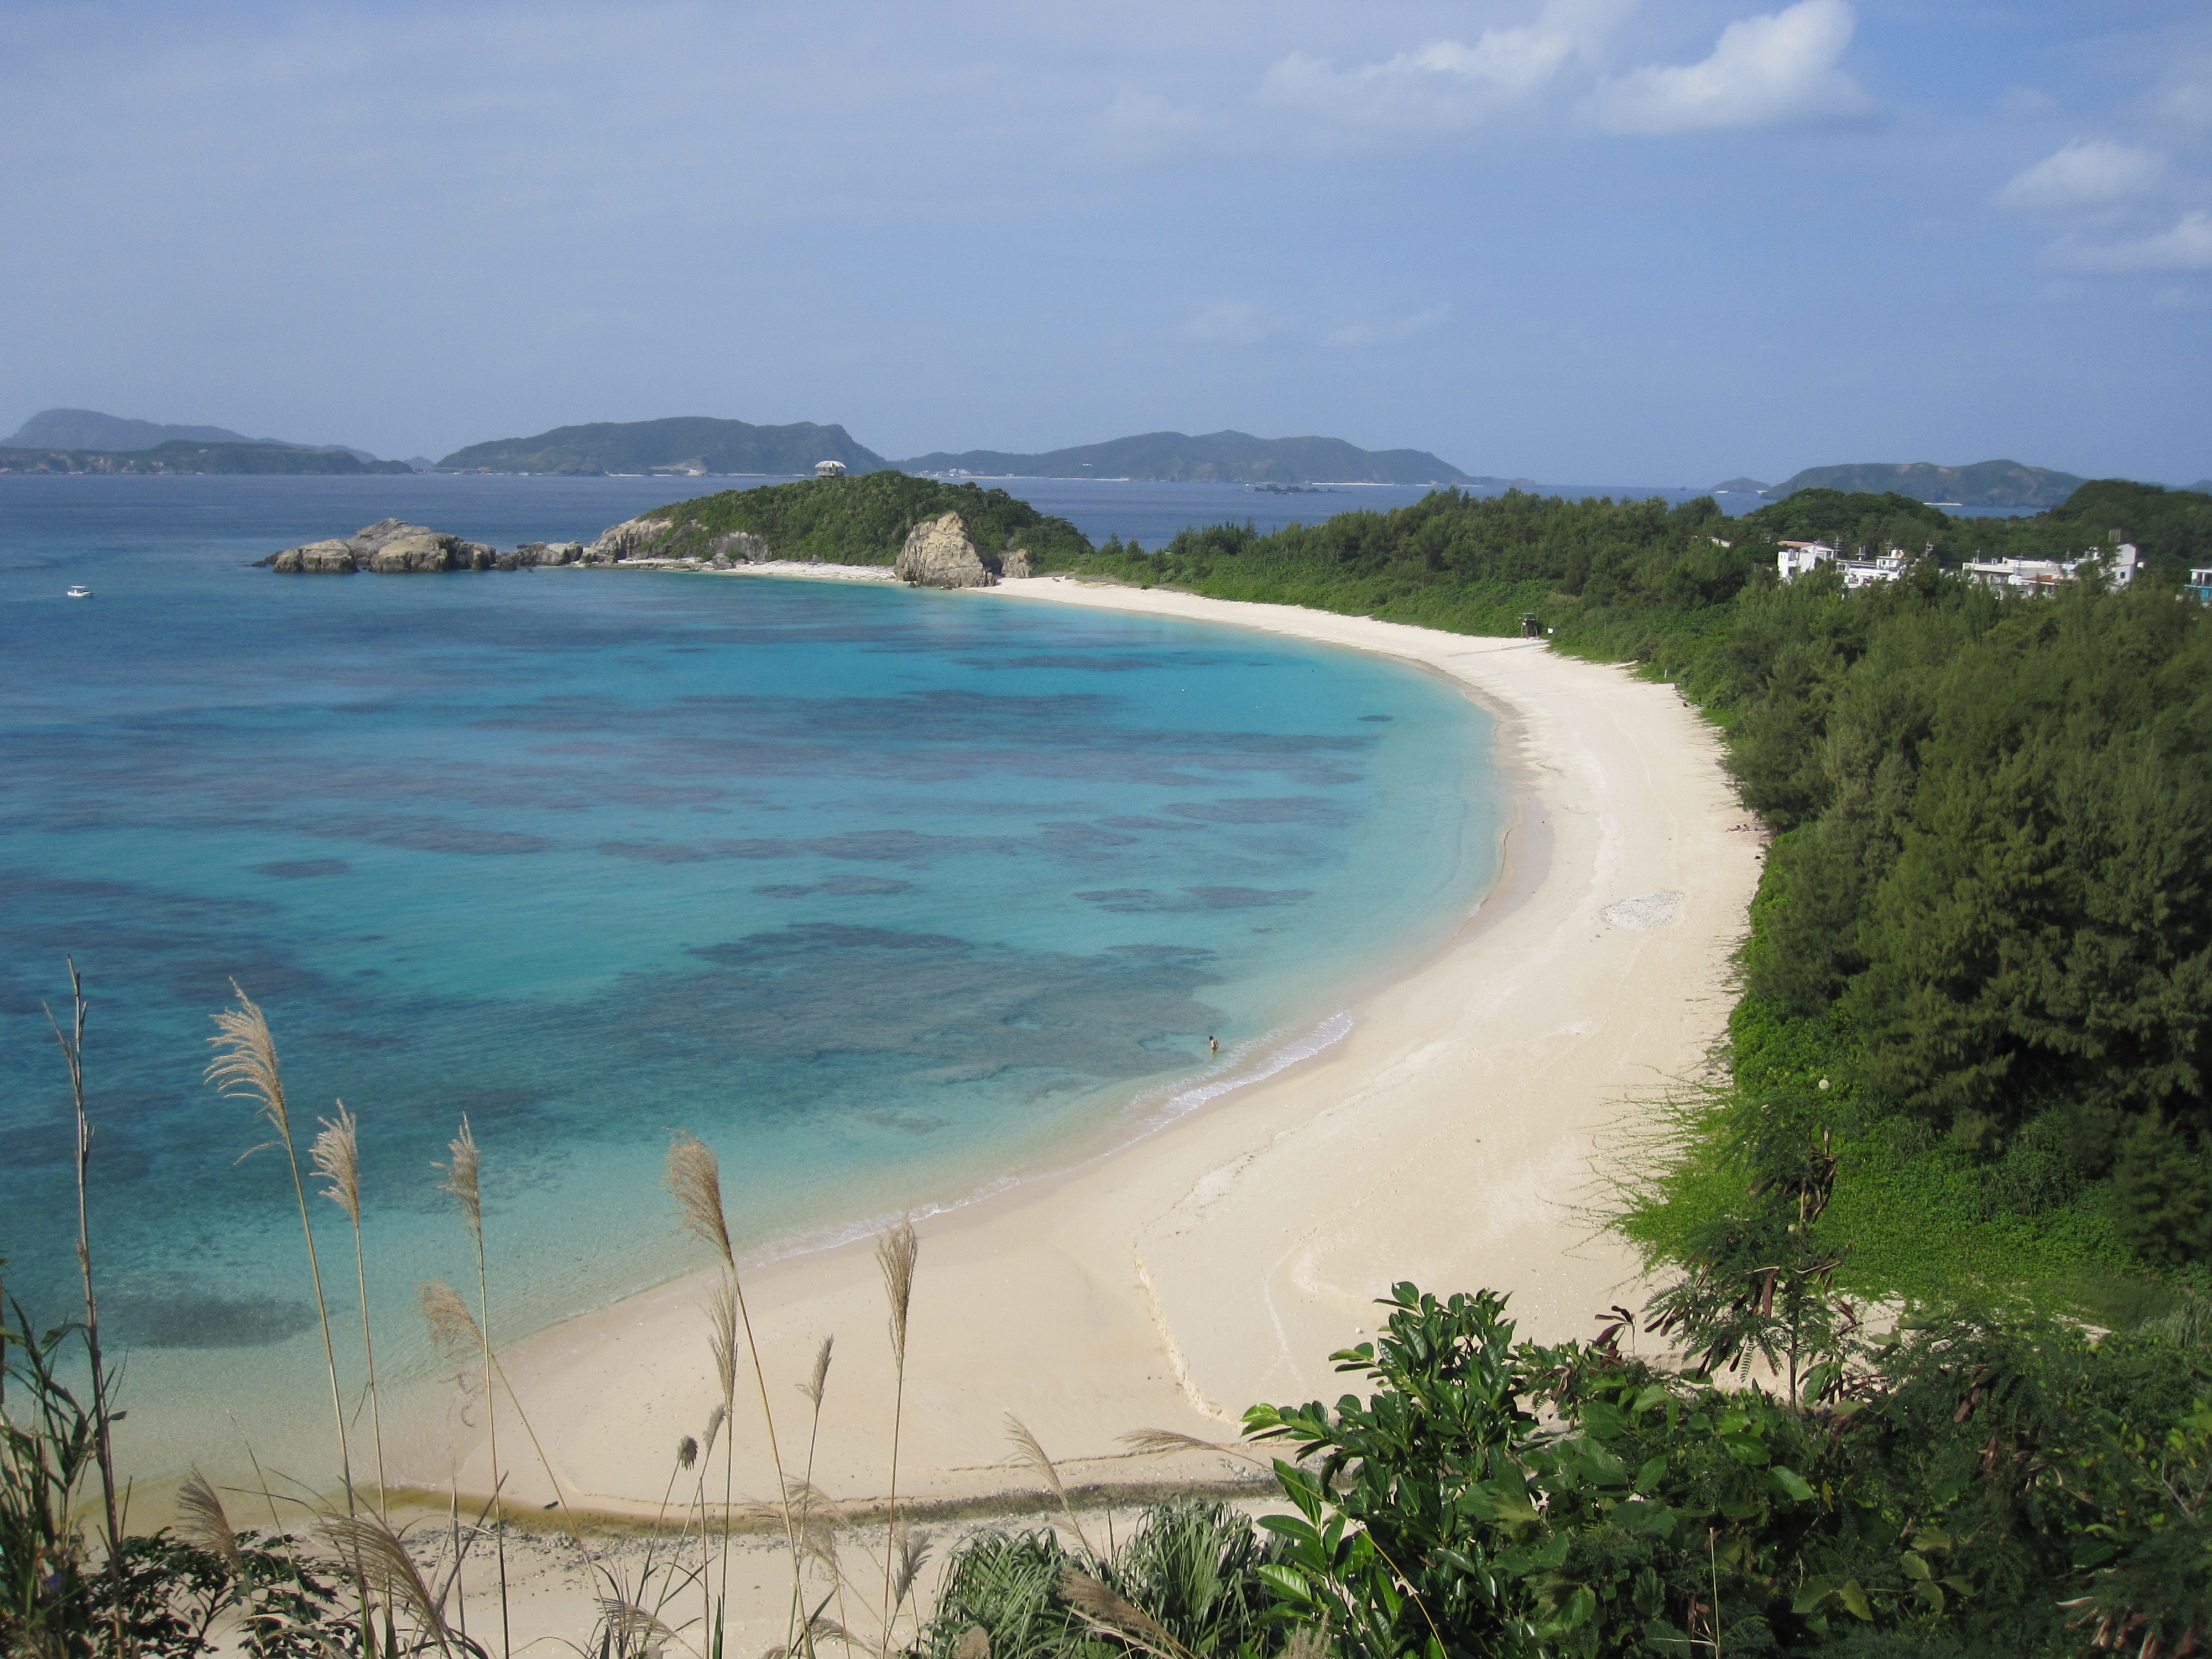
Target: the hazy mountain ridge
(1984, 484)
(1226, 456)
(89, 431)
(182, 455)
(683, 443)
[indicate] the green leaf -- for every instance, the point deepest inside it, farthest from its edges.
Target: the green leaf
(1791, 1484)
(1854, 1600)
(1287, 1583)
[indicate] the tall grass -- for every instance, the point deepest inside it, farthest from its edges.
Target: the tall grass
(408, 1593)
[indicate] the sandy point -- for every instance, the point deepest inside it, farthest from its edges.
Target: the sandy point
(1447, 1138)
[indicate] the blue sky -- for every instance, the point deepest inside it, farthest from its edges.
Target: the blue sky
(1579, 240)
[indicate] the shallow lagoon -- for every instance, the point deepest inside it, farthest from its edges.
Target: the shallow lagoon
(889, 895)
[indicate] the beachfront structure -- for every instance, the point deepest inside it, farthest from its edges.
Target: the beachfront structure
(2199, 586)
(828, 469)
(2034, 576)
(1795, 558)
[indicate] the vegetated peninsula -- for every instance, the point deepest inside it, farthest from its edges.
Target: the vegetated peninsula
(1225, 457)
(855, 520)
(693, 445)
(183, 455)
(1984, 483)
(87, 441)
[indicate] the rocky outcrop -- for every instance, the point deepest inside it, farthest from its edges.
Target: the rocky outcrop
(390, 546)
(1016, 567)
(633, 538)
(940, 553)
(315, 559)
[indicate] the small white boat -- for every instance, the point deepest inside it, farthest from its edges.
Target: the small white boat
(78, 593)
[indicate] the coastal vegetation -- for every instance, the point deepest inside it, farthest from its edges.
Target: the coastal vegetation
(861, 520)
(1967, 1482)
(1978, 963)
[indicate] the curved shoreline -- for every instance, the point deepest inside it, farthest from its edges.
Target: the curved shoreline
(1219, 1258)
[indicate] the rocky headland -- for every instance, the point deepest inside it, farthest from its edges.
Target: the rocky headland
(939, 552)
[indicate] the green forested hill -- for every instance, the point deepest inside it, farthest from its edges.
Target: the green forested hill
(865, 520)
(1236, 457)
(1987, 916)
(687, 443)
(1984, 484)
(182, 455)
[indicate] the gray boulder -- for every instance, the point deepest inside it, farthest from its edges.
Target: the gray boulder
(391, 546)
(633, 538)
(940, 553)
(1016, 566)
(332, 558)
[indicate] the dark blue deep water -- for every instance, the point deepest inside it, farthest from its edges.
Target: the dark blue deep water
(888, 895)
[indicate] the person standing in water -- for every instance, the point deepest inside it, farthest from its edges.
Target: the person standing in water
(1214, 1044)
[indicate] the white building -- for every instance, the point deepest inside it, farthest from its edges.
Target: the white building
(1796, 558)
(828, 469)
(2033, 576)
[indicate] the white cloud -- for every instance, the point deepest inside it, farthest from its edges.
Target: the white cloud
(1391, 332)
(2185, 99)
(1235, 323)
(1766, 71)
(2187, 247)
(2086, 174)
(1448, 84)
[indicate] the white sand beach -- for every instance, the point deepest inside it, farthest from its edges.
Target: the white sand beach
(1448, 1140)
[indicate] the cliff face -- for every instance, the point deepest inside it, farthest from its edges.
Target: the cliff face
(940, 553)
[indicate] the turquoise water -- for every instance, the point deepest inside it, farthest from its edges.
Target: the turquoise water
(888, 895)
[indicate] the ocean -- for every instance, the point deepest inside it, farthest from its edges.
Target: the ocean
(890, 896)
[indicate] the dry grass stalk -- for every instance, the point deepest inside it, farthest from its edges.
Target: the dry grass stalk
(1307, 1641)
(461, 1179)
(1104, 1611)
(695, 1180)
(1147, 1442)
(975, 1644)
(452, 1327)
(245, 1068)
(203, 1522)
(913, 1552)
(382, 1555)
(337, 1158)
(715, 1419)
(626, 1622)
(895, 1253)
(336, 1155)
(722, 1335)
(1032, 1454)
(813, 1387)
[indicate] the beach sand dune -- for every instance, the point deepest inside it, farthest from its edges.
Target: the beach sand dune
(1447, 1138)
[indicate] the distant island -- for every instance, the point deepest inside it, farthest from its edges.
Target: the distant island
(1741, 487)
(1984, 483)
(684, 444)
(1222, 456)
(182, 455)
(89, 431)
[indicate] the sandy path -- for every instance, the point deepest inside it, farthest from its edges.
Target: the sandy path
(1445, 1140)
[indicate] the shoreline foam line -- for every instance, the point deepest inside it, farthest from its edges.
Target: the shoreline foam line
(1442, 1136)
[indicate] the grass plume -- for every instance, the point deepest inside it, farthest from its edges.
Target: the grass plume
(246, 1068)
(1032, 1453)
(202, 1523)
(463, 1169)
(895, 1255)
(336, 1155)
